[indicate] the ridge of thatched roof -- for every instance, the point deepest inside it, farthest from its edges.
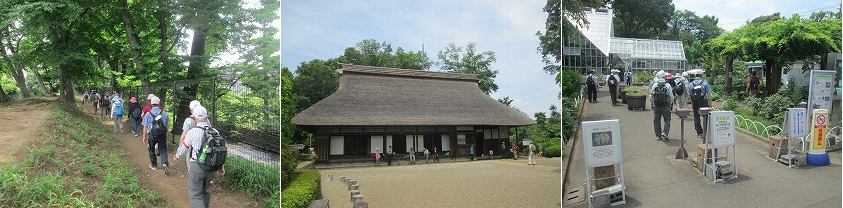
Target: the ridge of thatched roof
(380, 96)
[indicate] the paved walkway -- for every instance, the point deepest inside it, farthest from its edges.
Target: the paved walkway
(488, 183)
(655, 179)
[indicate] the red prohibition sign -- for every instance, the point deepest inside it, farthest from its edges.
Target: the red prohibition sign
(821, 119)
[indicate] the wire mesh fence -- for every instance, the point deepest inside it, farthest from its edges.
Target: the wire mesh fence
(243, 107)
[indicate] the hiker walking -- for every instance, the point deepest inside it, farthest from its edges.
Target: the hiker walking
(199, 179)
(412, 155)
(661, 97)
(134, 114)
(389, 154)
(514, 151)
(189, 123)
(752, 85)
(85, 97)
(155, 125)
(149, 105)
(312, 158)
(680, 94)
(613, 80)
(700, 93)
(104, 105)
(426, 155)
(628, 78)
(591, 83)
(95, 99)
(117, 113)
(503, 150)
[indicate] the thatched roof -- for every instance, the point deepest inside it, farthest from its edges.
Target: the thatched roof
(379, 96)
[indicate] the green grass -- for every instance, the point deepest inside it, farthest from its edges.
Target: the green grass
(259, 180)
(76, 162)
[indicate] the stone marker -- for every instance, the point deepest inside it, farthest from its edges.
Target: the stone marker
(354, 193)
(361, 204)
(355, 187)
(356, 198)
(342, 179)
(330, 177)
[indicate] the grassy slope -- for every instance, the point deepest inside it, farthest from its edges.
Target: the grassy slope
(74, 162)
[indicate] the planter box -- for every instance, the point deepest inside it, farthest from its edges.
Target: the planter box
(636, 102)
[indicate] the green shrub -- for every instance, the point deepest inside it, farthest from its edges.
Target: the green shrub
(256, 179)
(635, 91)
(553, 151)
(775, 106)
(289, 161)
(729, 105)
(571, 82)
(304, 188)
(570, 115)
(715, 96)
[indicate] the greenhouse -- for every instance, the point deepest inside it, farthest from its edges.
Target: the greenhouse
(594, 48)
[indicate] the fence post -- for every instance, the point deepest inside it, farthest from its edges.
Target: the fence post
(214, 101)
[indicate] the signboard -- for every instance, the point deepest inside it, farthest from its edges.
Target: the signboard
(819, 125)
(601, 143)
(821, 89)
(721, 128)
(795, 122)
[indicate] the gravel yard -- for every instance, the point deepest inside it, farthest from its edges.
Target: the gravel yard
(493, 183)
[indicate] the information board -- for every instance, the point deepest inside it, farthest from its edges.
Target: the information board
(601, 142)
(795, 123)
(821, 89)
(721, 128)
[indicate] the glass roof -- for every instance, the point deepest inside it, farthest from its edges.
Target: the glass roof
(599, 29)
(631, 48)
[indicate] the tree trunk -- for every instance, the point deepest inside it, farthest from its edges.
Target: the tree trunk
(133, 42)
(198, 63)
(729, 69)
(41, 86)
(772, 77)
(115, 66)
(17, 73)
(3, 97)
(66, 85)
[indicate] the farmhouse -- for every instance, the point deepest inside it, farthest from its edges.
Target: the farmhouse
(378, 107)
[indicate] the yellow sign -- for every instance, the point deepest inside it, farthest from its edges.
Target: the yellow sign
(819, 122)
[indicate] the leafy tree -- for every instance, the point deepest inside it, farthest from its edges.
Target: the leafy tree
(694, 32)
(506, 101)
(780, 42)
(371, 53)
(453, 59)
(641, 18)
(314, 81)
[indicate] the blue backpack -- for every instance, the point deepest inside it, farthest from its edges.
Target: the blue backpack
(118, 108)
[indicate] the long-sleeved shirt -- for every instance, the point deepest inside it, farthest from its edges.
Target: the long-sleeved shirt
(666, 85)
(114, 102)
(193, 139)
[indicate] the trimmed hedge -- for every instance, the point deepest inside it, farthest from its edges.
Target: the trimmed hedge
(553, 151)
(304, 188)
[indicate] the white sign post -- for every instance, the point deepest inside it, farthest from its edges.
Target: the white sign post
(721, 131)
(602, 147)
(794, 126)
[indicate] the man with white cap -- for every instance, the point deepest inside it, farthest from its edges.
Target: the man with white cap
(149, 105)
(661, 97)
(199, 180)
(155, 133)
(189, 123)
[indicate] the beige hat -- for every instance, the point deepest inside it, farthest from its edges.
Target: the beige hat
(150, 96)
(155, 100)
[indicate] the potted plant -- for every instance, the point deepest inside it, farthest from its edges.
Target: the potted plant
(636, 97)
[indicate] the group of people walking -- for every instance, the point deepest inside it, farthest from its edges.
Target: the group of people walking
(155, 123)
(411, 154)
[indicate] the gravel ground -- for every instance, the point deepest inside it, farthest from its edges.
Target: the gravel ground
(493, 183)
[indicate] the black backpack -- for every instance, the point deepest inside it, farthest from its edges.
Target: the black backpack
(680, 88)
(698, 95)
(212, 153)
(158, 129)
(612, 80)
(136, 111)
(660, 95)
(589, 80)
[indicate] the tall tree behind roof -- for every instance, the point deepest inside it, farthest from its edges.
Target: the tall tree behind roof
(453, 59)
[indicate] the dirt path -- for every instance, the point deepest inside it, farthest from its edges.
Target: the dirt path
(174, 186)
(20, 123)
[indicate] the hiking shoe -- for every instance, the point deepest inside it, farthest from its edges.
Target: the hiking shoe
(166, 169)
(152, 167)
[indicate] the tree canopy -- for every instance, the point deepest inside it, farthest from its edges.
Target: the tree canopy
(466, 60)
(642, 18)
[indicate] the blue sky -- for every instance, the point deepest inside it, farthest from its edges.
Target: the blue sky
(323, 29)
(734, 13)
